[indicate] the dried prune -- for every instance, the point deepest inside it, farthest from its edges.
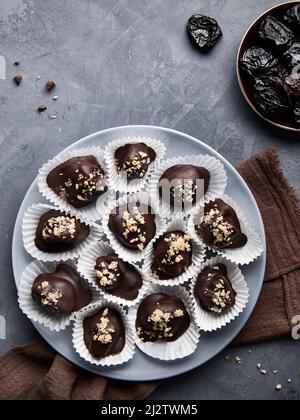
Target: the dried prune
(203, 32)
(292, 85)
(292, 17)
(270, 96)
(257, 61)
(296, 112)
(292, 55)
(278, 36)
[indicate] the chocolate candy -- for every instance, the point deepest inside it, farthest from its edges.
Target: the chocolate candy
(59, 232)
(172, 255)
(133, 225)
(79, 181)
(221, 227)
(104, 333)
(214, 289)
(61, 291)
(162, 317)
(134, 159)
(186, 184)
(118, 277)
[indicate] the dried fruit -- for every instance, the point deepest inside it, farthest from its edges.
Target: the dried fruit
(292, 85)
(203, 32)
(42, 108)
(18, 79)
(296, 112)
(50, 85)
(292, 17)
(275, 34)
(257, 61)
(270, 96)
(292, 56)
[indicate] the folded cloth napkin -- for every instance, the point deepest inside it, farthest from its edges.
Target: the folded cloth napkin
(36, 372)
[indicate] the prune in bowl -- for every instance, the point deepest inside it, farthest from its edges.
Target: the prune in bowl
(257, 61)
(275, 34)
(270, 96)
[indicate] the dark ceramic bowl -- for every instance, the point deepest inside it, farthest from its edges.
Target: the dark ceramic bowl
(251, 38)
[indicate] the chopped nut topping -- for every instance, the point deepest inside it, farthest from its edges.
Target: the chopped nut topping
(161, 322)
(131, 224)
(51, 297)
(60, 226)
(107, 273)
(103, 333)
(137, 166)
(221, 297)
(221, 230)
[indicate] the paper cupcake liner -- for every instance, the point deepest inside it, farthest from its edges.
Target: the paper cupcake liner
(78, 341)
(178, 223)
(119, 182)
(127, 254)
(90, 213)
(208, 321)
(29, 226)
(55, 322)
(86, 264)
(217, 184)
(242, 256)
(179, 349)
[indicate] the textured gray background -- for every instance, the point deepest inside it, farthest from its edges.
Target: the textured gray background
(129, 62)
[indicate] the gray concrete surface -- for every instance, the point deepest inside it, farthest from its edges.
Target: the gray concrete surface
(129, 62)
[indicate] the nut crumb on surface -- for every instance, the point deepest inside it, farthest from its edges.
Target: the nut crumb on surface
(18, 79)
(278, 387)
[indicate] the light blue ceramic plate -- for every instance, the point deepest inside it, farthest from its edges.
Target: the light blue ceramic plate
(141, 367)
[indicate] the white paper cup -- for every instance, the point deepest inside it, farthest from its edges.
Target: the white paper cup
(208, 321)
(124, 253)
(78, 340)
(30, 222)
(217, 183)
(242, 256)
(86, 265)
(178, 224)
(89, 213)
(55, 322)
(179, 349)
(117, 181)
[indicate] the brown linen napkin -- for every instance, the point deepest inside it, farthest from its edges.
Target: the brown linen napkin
(36, 372)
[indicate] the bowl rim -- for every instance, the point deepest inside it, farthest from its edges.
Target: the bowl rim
(238, 69)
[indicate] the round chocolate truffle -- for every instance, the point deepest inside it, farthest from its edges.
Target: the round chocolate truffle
(80, 181)
(214, 289)
(172, 255)
(184, 185)
(118, 277)
(162, 317)
(59, 232)
(133, 225)
(61, 291)
(104, 333)
(134, 159)
(220, 227)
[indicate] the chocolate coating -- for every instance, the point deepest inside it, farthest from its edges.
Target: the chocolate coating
(104, 333)
(214, 289)
(118, 277)
(61, 291)
(79, 181)
(59, 232)
(162, 317)
(221, 227)
(134, 159)
(133, 226)
(172, 255)
(188, 185)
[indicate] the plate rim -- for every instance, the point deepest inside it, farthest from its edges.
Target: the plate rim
(229, 339)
